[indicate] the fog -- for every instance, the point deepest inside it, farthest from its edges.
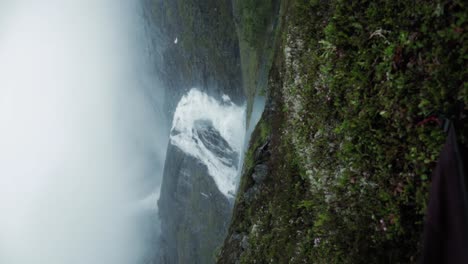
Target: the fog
(82, 135)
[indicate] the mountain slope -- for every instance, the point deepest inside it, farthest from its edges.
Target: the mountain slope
(347, 157)
(199, 50)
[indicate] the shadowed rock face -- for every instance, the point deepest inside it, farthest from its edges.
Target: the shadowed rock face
(194, 214)
(206, 54)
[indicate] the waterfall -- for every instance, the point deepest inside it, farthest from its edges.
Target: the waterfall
(218, 148)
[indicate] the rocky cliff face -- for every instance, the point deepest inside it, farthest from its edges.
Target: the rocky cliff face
(199, 49)
(194, 213)
(200, 176)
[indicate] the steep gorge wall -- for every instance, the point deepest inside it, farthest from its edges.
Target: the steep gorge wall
(199, 50)
(206, 53)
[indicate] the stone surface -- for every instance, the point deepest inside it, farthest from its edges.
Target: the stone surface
(260, 173)
(194, 214)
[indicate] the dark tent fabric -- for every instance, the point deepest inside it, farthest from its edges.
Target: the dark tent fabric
(446, 228)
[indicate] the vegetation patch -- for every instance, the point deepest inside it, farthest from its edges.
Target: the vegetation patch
(258, 31)
(350, 163)
(360, 76)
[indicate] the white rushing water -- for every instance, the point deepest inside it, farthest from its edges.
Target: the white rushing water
(79, 139)
(225, 117)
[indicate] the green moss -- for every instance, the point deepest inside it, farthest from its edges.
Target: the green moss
(255, 17)
(350, 166)
(369, 71)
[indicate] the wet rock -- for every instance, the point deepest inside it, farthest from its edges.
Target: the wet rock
(260, 173)
(251, 194)
(188, 236)
(245, 243)
(263, 152)
(235, 237)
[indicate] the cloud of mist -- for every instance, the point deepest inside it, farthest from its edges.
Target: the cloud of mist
(80, 139)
